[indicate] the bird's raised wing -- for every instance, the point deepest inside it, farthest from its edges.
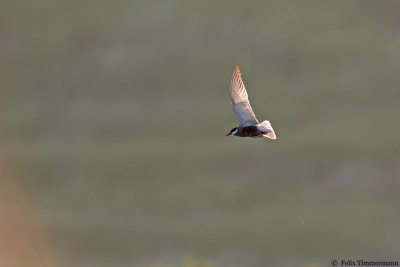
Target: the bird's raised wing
(240, 101)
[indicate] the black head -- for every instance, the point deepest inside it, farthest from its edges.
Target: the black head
(230, 133)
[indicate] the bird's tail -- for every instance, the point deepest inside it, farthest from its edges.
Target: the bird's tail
(266, 127)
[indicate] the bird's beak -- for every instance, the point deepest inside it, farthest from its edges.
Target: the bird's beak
(228, 134)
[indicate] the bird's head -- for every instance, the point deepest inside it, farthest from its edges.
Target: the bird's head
(232, 132)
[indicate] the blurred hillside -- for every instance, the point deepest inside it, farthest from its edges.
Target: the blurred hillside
(113, 114)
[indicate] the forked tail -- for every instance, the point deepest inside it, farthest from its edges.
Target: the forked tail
(267, 129)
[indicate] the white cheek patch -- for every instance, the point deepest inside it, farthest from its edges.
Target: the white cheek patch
(235, 132)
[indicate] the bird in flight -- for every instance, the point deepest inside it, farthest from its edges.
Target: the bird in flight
(248, 123)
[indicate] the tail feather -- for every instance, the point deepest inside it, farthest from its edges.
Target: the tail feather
(266, 127)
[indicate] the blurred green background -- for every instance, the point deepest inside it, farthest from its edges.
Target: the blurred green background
(113, 116)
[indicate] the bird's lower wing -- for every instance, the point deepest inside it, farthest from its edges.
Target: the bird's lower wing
(244, 113)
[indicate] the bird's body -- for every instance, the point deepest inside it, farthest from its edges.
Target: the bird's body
(248, 131)
(248, 123)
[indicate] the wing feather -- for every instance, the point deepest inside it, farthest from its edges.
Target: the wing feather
(240, 100)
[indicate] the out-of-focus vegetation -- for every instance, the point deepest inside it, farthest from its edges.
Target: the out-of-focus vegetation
(112, 116)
